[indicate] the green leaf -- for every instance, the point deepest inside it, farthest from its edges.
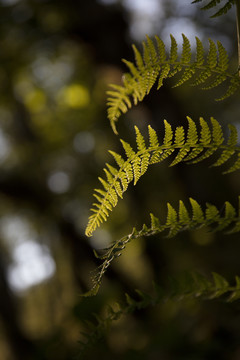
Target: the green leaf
(186, 149)
(153, 65)
(168, 134)
(171, 216)
(153, 138)
(184, 217)
(198, 215)
(128, 149)
(192, 135)
(173, 50)
(186, 50)
(140, 140)
(199, 52)
(212, 55)
(136, 164)
(206, 137)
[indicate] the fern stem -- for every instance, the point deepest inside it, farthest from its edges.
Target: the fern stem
(238, 32)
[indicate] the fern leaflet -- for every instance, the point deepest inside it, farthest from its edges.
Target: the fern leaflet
(176, 221)
(190, 148)
(154, 65)
(188, 286)
(212, 3)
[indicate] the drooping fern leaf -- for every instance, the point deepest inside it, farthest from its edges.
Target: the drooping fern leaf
(192, 147)
(154, 65)
(176, 221)
(212, 3)
(192, 286)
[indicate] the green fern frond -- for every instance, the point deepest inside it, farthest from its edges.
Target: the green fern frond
(191, 285)
(176, 221)
(223, 10)
(191, 148)
(154, 65)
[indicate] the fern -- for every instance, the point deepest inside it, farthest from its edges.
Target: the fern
(212, 3)
(192, 148)
(191, 286)
(154, 65)
(198, 142)
(176, 221)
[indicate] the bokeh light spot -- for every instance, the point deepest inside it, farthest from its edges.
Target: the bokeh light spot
(32, 265)
(84, 142)
(100, 239)
(58, 182)
(75, 96)
(35, 100)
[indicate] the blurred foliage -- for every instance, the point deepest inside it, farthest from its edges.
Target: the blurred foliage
(57, 58)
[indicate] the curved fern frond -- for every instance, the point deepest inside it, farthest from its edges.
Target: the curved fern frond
(176, 221)
(212, 3)
(154, 66)
(192, 148)
(191, 285)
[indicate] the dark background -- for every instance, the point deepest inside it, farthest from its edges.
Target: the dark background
(56, 60)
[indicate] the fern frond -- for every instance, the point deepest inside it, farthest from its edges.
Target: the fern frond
(192, 149)
(191, 285)
(212, 3)
(155, 65)
(176, 221)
